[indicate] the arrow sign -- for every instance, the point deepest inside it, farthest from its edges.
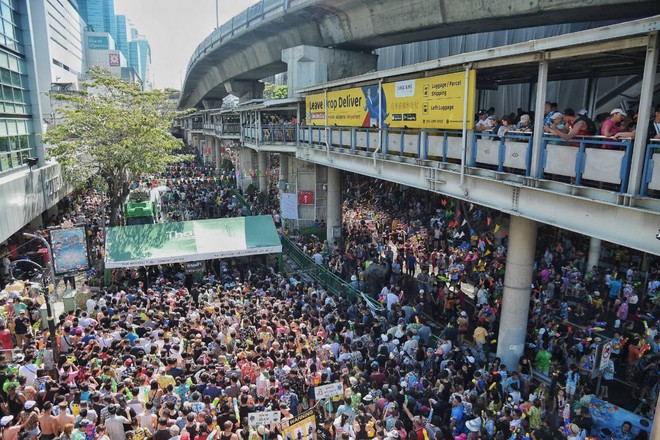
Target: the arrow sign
(264, 418)
(330, 390)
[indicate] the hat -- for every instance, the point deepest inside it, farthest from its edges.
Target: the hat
(598, 339)
(29, 404)
(524, 118)
(483, 112)
(582, 112)
(6, 420)
(470, 359)
(22, 312)
(575, 429)
(128, 361)
(617, 111)
(557, 115)
(473, 425)
(245, 389)
(353, 381)
(384, 337)
(353, 278)
(368, 398)
(463, 313)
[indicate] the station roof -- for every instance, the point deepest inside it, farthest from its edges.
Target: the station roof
(613, 50)
(166, 243)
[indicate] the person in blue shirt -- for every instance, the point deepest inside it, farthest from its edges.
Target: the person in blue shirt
(615, 289)
(457, 422)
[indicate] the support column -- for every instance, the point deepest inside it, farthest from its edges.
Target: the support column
(517, 290)
(245, 90)
(539, 109)
(333, 221)
(218, 154)
(645, 102)
(263, 177)
(311, 65)
(284, 171)
(594, 253)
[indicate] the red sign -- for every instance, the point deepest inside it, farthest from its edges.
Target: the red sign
(305, 197)
(114, 59)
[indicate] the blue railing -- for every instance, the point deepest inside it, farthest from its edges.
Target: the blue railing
(584, 161)
(648, 180)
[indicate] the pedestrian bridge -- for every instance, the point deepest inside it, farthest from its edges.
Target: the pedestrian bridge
(249, 46)
(600, 187)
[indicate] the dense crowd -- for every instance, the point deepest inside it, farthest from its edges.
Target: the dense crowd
(157, 355)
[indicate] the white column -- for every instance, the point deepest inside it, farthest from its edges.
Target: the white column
(334, 203)
(517, 290)
(284, 171)
(263, 178)
(218, 153)
(594, 253)
(539, 109)
(645, 102)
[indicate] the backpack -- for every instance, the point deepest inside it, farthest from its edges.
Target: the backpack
(591, 125)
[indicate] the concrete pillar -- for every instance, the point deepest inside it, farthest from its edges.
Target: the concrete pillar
(263, 177)
(245, 90)
(645, 103)
(517, 290)
(310, 65)
(333, 221)
(539, 109)
(284, 171)
(594, 253)
(218, 154)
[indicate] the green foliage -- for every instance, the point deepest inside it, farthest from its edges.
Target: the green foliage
(251, 189)
(272, 91)
(113, 131)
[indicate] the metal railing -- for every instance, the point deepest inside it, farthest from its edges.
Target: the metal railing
(651, 173)
(272, 133)
(249, 17)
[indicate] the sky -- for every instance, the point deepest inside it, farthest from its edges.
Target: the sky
(174, 28)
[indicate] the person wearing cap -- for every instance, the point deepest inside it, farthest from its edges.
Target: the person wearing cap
(577, 126)
(612, 127)
(484, 123)
(525, 124)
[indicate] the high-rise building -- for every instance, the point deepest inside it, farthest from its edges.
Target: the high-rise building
(29, 183)
(122, 35)
(58, 48)
(140, 59)
(99, 16)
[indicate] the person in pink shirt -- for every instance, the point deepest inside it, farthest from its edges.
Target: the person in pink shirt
(6, 342)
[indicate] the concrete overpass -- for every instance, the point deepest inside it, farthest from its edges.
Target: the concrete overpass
(249, 47)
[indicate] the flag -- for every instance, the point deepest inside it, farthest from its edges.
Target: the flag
(472, 231)
(464, 222)
(443, 202)
(471, 206)
(497, 228)
(488, 220)
(487, 252)
(488, 241)
(462, 235)
(458, 213)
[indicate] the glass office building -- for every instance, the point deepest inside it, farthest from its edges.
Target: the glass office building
(122, 35)
(17, 141)
(99, 16)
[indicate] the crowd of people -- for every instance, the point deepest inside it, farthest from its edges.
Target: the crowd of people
(158, 355)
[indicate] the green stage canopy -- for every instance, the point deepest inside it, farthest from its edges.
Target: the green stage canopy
(164, 243)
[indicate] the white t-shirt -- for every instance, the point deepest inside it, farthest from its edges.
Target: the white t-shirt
(90, 305)
(115, 426)
(29, 372)
(391, 300)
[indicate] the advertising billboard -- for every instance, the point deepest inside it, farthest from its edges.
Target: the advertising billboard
(98, 42)
(69, 250)
(423, 103)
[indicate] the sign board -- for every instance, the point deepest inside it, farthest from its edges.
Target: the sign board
(305, 197)
(114, 59)
(433, 102)
(264, 418)
(605, 354)
(195, 267)
(98, 42)
(69, 250)
(289, 206)
(301, 427)
(330, 390)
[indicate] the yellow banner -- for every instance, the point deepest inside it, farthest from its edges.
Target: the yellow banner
(428, 103)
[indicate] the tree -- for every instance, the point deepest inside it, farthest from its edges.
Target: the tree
(113, 132)
(272, 91)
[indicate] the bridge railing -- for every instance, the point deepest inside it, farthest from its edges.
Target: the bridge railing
(238, 23)
(271, 133)
(228, 129)
(651, 172)
(593, 161)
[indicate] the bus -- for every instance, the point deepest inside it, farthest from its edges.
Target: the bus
(141, 213)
